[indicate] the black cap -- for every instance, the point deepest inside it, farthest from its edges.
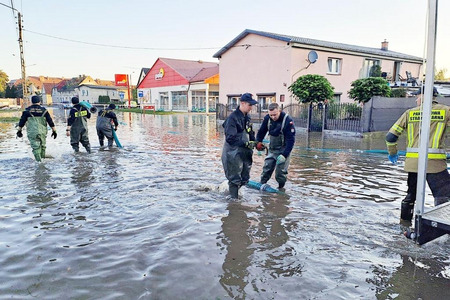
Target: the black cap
(75, 100)
(247, 97)
(112, 106)
(422, 90)
(35, 99)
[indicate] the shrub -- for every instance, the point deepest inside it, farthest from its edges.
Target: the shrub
(104, 99)
(311, 88)
(398, 93)
(364, 89)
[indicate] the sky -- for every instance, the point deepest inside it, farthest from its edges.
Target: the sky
(101, 38)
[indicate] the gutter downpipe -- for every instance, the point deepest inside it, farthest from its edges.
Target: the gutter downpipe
(426, 114)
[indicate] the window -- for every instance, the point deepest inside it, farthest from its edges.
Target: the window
(213, 100)
(198, 100)
(334, 65)
(179, 100)
(265, 99)
(164, 100)
(233, 102)
(337, 98)
(368, 66)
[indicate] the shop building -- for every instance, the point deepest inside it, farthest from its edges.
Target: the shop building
(180, 85)
(266, 64)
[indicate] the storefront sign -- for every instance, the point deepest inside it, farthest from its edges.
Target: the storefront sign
(159, 75)
(121, 79)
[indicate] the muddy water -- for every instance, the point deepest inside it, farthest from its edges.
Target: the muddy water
(152, 221)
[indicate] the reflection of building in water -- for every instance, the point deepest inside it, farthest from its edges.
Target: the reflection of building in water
(415, 278)
(255, 240)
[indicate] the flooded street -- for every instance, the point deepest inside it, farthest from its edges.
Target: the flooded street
(152, 220)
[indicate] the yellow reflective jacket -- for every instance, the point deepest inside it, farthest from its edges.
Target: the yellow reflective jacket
(410, 123)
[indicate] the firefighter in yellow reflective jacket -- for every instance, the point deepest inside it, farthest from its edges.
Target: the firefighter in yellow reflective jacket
(77, 127)
(438, 177)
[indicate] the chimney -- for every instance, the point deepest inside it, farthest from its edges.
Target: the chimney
(384, 45)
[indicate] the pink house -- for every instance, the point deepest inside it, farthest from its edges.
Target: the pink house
(266, 64)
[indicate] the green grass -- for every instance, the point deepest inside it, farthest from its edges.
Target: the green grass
(9, 119)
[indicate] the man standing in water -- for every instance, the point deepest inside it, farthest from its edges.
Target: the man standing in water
(77, 126)
(438, 177)
(105, 120)
(38, 118)
(281, 130)
(238, 147)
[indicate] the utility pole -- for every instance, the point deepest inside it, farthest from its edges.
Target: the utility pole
(22, 60)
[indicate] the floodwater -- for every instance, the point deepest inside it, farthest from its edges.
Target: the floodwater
(152, 221)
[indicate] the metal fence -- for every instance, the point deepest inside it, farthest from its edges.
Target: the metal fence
(311, 116)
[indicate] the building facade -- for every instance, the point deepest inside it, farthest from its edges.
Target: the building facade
(266, 64)
(180, 85)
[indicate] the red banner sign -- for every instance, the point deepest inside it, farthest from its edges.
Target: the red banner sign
(121, 79)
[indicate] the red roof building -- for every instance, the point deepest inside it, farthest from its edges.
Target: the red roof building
(180, 85)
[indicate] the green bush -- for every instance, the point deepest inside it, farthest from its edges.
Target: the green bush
(364, 89)
(398, 93)
(104, 99)
(311, 88)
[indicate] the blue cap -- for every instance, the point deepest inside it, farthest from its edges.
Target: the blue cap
(247, 97)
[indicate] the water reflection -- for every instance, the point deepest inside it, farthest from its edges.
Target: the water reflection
(255, 238)
(140, 219)
(237, 242)
(41, 182)
(412, 279)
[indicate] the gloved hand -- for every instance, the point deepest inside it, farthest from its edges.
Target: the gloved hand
(19, 133)
(250, 144)
(260, 146)
(115, 128)
(393, 158)
(280, 159)
(54, 134)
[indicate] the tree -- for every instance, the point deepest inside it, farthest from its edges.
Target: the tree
(375, 71)
(312, 88)
(364, 89)
(440, 74)
(4, 79)
(11, 92)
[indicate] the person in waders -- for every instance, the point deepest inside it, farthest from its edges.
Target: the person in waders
(238, 147)
(105, 121)
(77, 127)
(437, 176)
(36, 117)
(281, 130)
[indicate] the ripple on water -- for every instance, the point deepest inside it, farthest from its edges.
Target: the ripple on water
(152, 221)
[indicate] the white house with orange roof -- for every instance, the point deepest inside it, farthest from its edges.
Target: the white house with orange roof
(266, 64)
(180, 85)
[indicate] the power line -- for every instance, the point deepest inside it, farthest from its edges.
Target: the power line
(116, 46)
(144, 48)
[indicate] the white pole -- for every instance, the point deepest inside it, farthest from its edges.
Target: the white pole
(427, 102)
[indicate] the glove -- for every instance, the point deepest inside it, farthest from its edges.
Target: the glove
(250, 144)
(54, 134)
(115, 128)
(260, 146)
(280, 159)
(19, 133)
(393, 158)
